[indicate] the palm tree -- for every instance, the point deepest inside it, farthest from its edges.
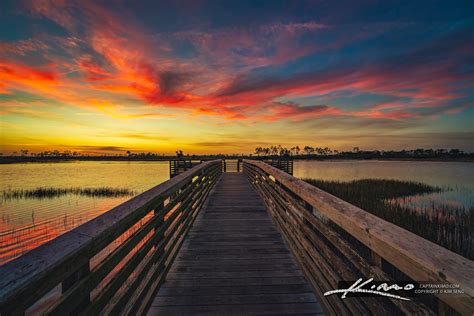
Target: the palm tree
(273, 150)
(308, 150)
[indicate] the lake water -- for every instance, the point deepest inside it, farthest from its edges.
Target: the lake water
(456, 177)
(28, 223)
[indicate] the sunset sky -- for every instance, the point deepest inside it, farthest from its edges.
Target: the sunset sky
(226, 77)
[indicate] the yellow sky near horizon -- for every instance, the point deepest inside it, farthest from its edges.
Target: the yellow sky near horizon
(99, 79)
(93, 132)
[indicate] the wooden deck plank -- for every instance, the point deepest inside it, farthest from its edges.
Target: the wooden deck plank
(234, 262)
(199, 290)
(258, 281)
(229, 299)
(254, 309)
(220, 261)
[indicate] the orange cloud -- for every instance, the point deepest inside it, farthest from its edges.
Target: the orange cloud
(92, 71)
(122, 61)
(14, 75)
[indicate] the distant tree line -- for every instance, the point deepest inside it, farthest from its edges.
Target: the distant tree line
(309, 152)
(277, 151)
(293, 151)
(53, 153)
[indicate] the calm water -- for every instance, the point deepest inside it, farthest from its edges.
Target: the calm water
(456, 177)
(27, 223)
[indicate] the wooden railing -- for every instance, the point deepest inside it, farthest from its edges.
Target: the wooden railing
(284, 164)
(178, 166)
(232, 165)
(114, 263)
(333, 241)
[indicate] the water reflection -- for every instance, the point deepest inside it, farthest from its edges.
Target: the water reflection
(27, 223)
(456, 177)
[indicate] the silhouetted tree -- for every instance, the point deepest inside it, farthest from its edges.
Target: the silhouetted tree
(308, 150)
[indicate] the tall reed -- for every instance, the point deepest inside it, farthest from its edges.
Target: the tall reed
(49, 192)
(447, 225)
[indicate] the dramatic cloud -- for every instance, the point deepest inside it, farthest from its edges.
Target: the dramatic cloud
(18, 76)
(249, 65)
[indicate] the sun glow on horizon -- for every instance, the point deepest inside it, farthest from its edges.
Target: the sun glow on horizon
(87, 77)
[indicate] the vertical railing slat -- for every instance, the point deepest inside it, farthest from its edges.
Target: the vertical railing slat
(186, 193)
(330, 249)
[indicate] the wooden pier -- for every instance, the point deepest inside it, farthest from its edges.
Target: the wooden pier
(234, 261)
(256, 241)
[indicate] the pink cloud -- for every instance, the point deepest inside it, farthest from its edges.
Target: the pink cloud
(117, 60)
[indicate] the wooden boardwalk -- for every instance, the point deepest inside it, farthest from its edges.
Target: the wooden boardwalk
(234, 261)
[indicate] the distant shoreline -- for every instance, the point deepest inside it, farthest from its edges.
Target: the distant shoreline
(14, 160)
(464, 159)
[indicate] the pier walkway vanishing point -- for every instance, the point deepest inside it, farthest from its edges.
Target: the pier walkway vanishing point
(234, 261)
(209, 242)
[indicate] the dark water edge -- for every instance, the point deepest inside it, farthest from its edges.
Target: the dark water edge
(464, 157)
(448, 226)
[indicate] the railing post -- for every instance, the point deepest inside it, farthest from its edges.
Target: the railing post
(375, 259)
(73, 279)
(159, 223)
(332, 232)
(375, 262)
(25, 285)
(443, 309)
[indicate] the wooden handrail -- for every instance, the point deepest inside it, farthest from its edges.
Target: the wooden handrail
(334, 241)
(116, 261)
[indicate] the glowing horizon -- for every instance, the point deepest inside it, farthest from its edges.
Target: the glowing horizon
(209, 77)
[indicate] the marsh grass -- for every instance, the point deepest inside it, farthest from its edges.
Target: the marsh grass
(447, 225)
(50, 192)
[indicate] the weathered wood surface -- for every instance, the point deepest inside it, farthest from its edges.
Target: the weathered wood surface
(153, 224)
(234, 261)
(325, 232)
(178, 166)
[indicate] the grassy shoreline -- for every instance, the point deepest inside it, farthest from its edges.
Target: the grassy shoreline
(50, 192)
(448, 226)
